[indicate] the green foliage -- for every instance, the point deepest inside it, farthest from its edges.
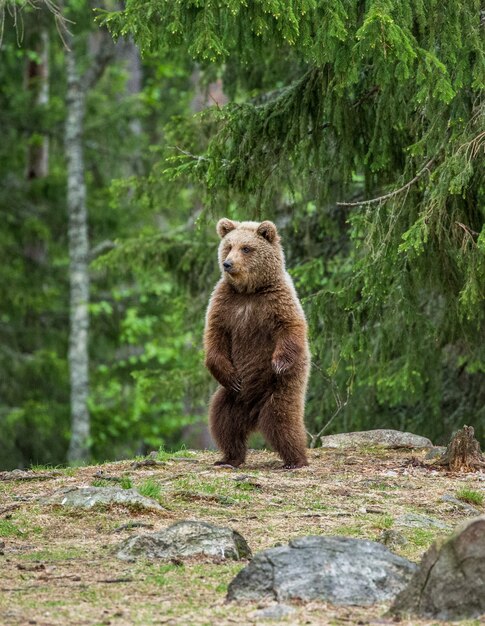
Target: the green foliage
(329, 102)
(375, 100)
(472, 496)
(9, 529)
(150, 489)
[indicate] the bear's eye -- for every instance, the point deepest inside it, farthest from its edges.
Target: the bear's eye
(246, 250)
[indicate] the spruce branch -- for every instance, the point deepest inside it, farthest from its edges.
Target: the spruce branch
(392, 193)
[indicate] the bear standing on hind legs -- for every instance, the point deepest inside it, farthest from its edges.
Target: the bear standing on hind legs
(256, 347)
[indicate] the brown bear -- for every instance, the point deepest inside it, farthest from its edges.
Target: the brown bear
(256, 346)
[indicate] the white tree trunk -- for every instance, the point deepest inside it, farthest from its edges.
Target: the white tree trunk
(78, 264)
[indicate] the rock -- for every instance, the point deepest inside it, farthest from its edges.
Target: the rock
(275, 612)
(381, 437)
(450, 581)
(341, 570)
(460, 504)
(415, 520)
(435, 452)
(87, 497)
(186, 539)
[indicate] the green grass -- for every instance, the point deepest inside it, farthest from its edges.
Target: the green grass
(422, 537)
(223, 490)
(124, 482)
(472, 496)
(166, 455)
(8, 529)
(150, 489)
(57, 554)
(384, 522)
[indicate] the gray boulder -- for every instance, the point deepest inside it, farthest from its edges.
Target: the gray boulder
(383, 438)
(341, 570)
(186, 539)
(450, 581)
(88, 497)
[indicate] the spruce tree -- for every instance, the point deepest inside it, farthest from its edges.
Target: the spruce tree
(362, 123)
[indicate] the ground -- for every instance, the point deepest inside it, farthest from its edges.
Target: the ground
(58, 566)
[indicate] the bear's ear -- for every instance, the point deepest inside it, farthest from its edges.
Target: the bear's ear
(267, 230)
(225, 226)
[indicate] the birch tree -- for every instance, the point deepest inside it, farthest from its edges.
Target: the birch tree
(78, 87)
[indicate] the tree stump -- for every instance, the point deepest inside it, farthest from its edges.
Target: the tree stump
(463, 453)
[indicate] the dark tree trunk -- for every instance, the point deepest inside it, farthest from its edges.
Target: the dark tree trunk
(37, 83)
(463, 453)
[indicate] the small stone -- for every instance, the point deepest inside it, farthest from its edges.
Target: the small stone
(383, 438)
(450, 581)
(186, 539)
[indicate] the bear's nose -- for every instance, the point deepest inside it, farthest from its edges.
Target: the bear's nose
(227, 265)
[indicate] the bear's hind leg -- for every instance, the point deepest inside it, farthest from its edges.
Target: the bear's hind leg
(281, 423)
(229, 426)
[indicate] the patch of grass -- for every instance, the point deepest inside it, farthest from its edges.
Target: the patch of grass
(57, 554)
(150, 489)
(66, 471)
(223, 490)
(124, 482)
(100, 482)
(166, 455)
(384, 522)
(351, 531)
(8, 529)
(422, 537)
(161, 574)
(472, 496)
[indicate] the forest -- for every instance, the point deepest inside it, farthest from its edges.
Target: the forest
(128, 129)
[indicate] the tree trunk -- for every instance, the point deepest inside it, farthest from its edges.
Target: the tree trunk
(463, 453)
(37, 82)
(78, 264)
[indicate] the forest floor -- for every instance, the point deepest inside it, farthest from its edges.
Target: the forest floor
(58, 565)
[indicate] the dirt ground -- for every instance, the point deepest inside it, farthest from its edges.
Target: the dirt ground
(58, 566)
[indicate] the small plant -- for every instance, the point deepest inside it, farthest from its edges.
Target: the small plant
(100, 482)
(470, 495)
(126, 482)
(384, 522)
(150, 489)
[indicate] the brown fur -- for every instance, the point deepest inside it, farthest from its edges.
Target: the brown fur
(256, 346)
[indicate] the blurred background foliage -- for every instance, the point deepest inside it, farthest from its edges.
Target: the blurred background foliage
(296, 111)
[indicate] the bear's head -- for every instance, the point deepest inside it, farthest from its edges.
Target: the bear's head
(250, 254)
